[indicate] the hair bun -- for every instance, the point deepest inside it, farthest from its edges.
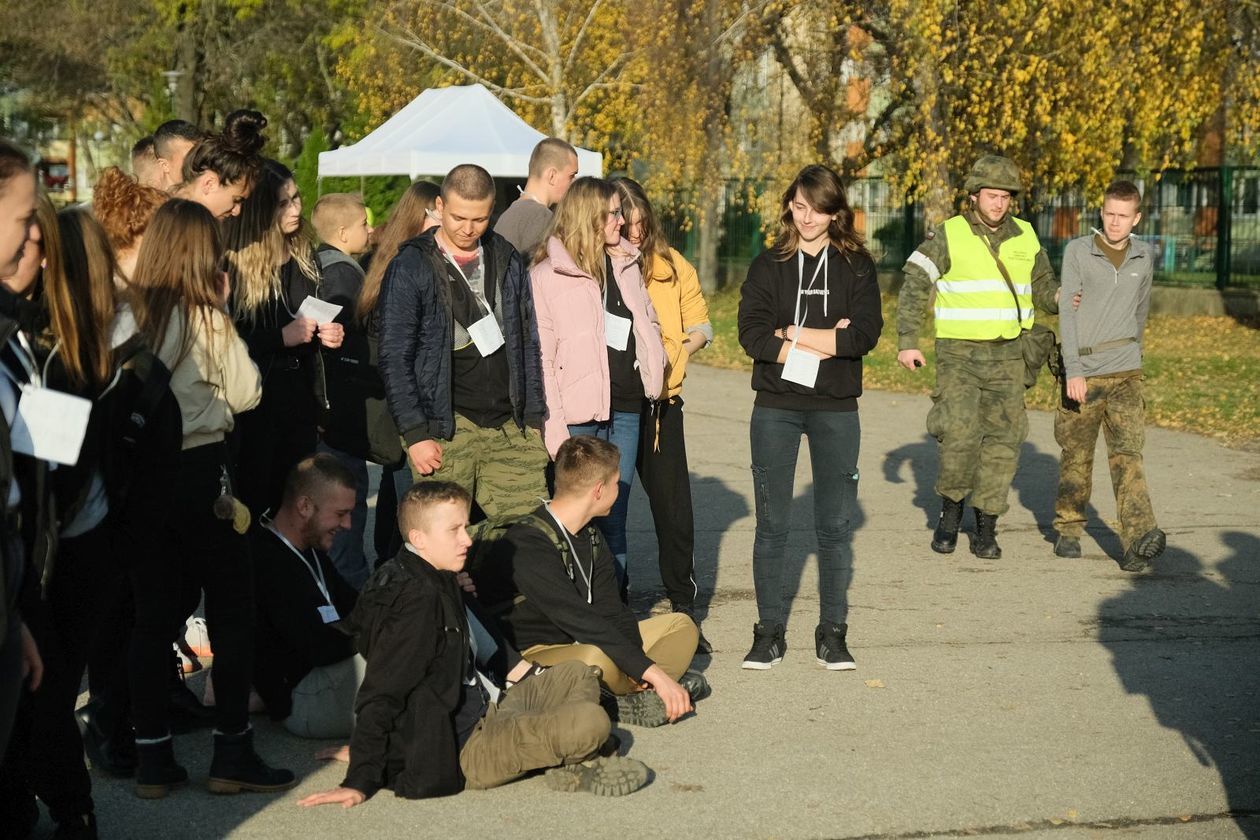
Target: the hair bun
(242, 131)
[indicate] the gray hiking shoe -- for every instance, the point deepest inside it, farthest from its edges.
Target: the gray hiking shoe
(1067, 547)
(1143, 550)
(643, 708)
(611, 776)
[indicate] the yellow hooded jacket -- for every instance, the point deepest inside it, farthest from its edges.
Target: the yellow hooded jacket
(681, 309)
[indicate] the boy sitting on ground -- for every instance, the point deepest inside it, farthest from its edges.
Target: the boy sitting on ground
(552, 584)
(429, 723)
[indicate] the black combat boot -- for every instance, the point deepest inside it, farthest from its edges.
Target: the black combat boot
(985, 544)
(236, 767)
(945, 539)
(156, 770)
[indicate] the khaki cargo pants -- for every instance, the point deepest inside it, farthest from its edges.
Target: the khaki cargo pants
(1115, 403)
(668, 640)
(504, 469)
(546, 721)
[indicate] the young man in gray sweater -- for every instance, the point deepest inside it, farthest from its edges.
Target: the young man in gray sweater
(1111, 270)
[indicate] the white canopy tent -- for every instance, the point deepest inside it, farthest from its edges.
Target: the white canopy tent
(442, 128)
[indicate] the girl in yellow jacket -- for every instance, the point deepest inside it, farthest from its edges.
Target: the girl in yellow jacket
(674, 288)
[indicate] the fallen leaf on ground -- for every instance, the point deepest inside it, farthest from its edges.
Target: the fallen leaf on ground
(874, 683)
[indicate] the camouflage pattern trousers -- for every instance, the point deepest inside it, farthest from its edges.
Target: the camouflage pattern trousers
(1115, 403)
(504, 469)
(978, 418)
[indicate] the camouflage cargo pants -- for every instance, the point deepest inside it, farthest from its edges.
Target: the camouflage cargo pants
(504, 469)
(1115, 403)
(978, 418)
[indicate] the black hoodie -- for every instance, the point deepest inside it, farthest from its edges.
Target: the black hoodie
(767, 303)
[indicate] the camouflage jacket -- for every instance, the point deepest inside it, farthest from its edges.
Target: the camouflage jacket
(917, 287)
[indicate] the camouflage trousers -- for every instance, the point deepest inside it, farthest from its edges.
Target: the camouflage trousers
(978, 418)
(1115, 403)
(504, 469)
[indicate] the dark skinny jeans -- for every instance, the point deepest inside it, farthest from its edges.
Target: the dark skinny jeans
(833, 438)
(203, 553)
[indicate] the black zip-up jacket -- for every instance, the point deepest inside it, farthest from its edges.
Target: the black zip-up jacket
(767, 303)
(264, 333)
(410, 626)
(416, 337)
(554, 609)
(291, 637)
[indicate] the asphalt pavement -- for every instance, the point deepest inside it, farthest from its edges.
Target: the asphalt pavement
(1029, 696)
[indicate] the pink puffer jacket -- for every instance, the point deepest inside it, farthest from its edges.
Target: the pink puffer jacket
(570, 310)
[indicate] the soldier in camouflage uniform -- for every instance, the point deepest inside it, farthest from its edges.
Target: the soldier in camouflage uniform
(987, 269)
(1102, 364)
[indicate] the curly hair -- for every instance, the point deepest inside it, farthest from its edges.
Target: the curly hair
(124, 207)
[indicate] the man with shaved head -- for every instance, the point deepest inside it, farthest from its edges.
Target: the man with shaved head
(552, 167)
(459, 354)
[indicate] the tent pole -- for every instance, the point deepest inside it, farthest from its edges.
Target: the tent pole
(362, 186)
(319, 186)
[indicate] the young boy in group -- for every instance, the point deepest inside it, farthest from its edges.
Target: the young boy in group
(1111, 271)
(341, 221)
(552, 583)
(429, 722)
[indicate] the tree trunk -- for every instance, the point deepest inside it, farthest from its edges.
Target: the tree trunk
(711, 206)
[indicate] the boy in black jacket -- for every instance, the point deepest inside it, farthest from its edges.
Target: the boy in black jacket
(341, 221)
(429, 722)
(552, 577)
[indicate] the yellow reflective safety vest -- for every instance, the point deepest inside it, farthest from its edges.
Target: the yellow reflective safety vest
(973, 302)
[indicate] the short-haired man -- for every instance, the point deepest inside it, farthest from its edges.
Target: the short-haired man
(172, 142)
(144, 164)
(459, 354)
(1111, 270)
(305, 667)
(341, 222)
(552, 580)
(429, 721)
(552, 167)
(988, 269)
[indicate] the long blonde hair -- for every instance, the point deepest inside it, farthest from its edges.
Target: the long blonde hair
(579, 225)
(178, 268)
(257, 248)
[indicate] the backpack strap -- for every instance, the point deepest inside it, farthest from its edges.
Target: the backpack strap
(331, 256)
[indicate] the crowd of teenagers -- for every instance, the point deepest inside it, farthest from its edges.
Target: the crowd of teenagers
(194, 379)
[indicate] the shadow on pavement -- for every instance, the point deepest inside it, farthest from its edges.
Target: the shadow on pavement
(1209, 693)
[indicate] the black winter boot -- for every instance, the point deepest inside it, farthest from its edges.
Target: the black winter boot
(156, 770)
(945, 538)
(985, 544)
(236, 767)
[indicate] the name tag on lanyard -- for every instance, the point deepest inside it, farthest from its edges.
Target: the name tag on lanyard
(616, 328)
(485, 332)
(801, 366)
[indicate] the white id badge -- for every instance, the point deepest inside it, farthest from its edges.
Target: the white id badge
(329, 614)
(616, 331)
(486, 335)
(801, 367)
(50, 425)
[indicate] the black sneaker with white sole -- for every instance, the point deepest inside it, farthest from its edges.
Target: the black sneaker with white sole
(832, 652)
(768, 647)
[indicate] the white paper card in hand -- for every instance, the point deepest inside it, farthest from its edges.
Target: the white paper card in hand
(329, 614)
(616, 331)
(801, 367)
(486, 335)
(50, 425)
(319, 311)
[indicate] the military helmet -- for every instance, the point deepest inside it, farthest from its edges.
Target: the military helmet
(995, 172)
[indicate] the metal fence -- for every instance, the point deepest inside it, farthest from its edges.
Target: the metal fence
(1206, 223)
